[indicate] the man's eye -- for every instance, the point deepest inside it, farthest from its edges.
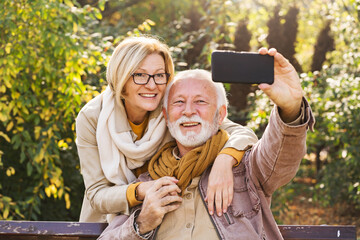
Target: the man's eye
(178, 101)
(200, 101)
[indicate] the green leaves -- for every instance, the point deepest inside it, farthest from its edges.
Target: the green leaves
(41, 92)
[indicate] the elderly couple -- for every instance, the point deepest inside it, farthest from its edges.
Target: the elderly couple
(160, 160)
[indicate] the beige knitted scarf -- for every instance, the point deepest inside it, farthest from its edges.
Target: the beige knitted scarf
(119, 154)
(191, 165)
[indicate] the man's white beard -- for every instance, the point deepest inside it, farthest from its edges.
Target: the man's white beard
(193, 139)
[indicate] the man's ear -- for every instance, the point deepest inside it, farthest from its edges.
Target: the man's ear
(165, 115)
(222, 113)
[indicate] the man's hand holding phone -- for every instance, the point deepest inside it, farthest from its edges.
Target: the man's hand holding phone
(276, 77)
(286, 91)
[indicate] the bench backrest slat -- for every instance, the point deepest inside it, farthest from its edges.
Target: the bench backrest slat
(51, 228)
(26, 230)
(318, 232)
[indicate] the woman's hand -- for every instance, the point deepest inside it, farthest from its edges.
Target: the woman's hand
(141, 190)
(286, 91)
(145, 186)
(221, 184)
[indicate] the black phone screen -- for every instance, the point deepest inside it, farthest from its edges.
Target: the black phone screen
(242, 67)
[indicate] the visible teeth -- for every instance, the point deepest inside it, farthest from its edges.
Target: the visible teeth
(148, 95)
(190, 124)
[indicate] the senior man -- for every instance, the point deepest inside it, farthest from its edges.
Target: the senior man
(175, 206)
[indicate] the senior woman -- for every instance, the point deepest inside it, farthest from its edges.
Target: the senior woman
(122, 128)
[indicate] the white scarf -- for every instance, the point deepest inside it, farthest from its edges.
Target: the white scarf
(118, 152)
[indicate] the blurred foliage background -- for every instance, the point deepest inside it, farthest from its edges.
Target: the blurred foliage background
(53, 58)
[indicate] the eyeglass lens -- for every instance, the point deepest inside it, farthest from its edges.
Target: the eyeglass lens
(144, 78)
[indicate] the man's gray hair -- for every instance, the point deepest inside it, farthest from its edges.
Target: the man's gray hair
(198, 74)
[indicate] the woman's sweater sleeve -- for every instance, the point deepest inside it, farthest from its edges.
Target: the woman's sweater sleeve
(103, 195)
(240, 138)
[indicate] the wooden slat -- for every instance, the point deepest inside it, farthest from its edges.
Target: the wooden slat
(34, 230)
(59, 230)
(324, 232)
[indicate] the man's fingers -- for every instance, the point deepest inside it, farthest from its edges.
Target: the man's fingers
(163, 182)
(171, 207)
(264, 87)
(167, 189)
(174, 193)
(170, 200)
(272, 51)
(281, 60)
(263, 51)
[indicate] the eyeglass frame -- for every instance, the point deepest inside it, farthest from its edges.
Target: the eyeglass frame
(151, 76)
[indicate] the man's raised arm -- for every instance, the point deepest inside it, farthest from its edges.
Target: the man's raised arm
(276, 157)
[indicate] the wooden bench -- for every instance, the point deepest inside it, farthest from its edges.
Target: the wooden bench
(27, 230)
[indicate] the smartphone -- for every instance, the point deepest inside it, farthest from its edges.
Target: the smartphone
(242, 67)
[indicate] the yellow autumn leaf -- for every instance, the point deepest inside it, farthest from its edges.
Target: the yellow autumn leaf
(150, 22)
(48, 191)
(60, 192)
(8, 48)
(4, 117)
(10, 171)
(40, 156)
(50, 133)
(37, 132)
(6, 212)
(53, 189)
(25, 110)
(5, 136)
(7, 83)
(50, 96)
(60, 143)
(56, 182)
(15, 95)
(68, 3)
(9, 126)
(75, 27)
(20, 120)
(67, 201)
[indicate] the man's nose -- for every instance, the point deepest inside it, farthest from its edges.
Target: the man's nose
(189, 109)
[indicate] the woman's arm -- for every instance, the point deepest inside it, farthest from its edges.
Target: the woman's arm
(103, 196)
(241, 138)
(220, 186)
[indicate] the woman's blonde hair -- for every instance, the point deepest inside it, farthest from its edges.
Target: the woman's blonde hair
(127, 57)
